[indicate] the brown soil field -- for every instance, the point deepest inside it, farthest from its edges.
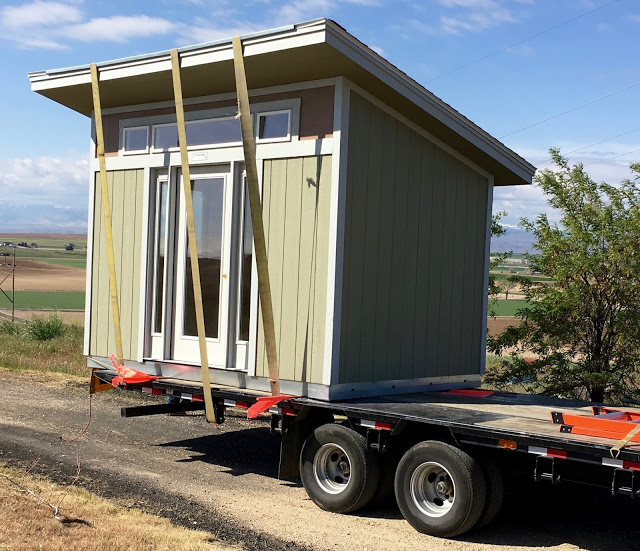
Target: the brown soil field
(34, 236)
(32, 275)
(498, 325)
(68, 316)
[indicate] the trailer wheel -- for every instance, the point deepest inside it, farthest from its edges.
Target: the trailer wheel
(440, 489)
(338, 472)
(494, 481)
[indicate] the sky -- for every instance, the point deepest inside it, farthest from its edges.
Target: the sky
(504, 64)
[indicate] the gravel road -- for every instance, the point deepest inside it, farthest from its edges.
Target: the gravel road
(224, 481)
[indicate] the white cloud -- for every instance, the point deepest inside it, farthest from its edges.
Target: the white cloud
(44, 181)
(117, 28)
(469, 16)
(38, 14)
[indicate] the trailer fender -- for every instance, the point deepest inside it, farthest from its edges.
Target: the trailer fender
(295, 431)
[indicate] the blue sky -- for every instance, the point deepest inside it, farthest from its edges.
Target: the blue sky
(44, 147)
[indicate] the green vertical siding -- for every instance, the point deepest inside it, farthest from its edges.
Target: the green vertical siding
(125, 198)
(415, 232)
(296, 195)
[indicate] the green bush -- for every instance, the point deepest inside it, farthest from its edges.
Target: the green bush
(8, 327)
(44, 329)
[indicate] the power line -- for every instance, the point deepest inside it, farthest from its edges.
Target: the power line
(590, 102)
(613, 157)
(593, 144)
(603, 141)
(520, 42)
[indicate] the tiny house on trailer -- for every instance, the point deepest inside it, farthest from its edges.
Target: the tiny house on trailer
(377, 211)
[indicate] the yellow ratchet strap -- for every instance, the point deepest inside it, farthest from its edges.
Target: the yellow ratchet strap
(615, 451)
(106, 210)
(264, 286)
(191, 232)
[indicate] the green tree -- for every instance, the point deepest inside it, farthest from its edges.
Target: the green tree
(496, 259)
(584, 326)
(508, 284)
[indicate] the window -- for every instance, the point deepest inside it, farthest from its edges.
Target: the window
(246, 259)
(160, 251)
(213, 132)
(199, 133)
(165, 136)
(275, 126)
(136, 139)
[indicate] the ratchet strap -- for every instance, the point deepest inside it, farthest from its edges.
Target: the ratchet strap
(191, 232)
(259, 241)
(615, 450)
(106, 210)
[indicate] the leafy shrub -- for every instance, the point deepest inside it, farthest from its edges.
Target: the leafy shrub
(45, 329)
(8, 327)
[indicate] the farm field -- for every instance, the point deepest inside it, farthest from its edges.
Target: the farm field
(47, 277)
(507, 307)
(50, 248)
(45, 300)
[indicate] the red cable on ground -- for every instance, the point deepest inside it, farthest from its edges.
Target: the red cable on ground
(84, 429)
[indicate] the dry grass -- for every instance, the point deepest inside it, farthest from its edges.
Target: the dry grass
(86, 522)
(62, 354)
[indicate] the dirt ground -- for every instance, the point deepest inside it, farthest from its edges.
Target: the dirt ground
(68, 316)
(32, 275)
(498, 325)
(224, 480)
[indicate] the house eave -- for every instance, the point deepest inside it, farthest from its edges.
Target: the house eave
(365, 66)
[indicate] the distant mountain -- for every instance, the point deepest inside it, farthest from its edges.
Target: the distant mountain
(42, 219)
(516, 240)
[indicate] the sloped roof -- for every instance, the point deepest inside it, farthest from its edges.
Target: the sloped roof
(307, 51)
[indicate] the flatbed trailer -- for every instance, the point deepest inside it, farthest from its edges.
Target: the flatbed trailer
(444, 455)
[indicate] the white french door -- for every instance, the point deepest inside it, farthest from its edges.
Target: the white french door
(227, 269)
(212, 196)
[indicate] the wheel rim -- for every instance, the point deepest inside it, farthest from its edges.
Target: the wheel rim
(332, 468)
(432, 489)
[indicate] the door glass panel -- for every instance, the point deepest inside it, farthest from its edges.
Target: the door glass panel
(245, 268)
(160, 248)
(208, 204)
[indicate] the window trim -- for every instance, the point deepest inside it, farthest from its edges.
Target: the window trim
(125, 129)
(153, 149)
(292, 105)
(261, 114)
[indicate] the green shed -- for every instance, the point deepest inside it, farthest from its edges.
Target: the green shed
(377, 212)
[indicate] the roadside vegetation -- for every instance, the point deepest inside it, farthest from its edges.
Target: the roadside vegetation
(37, 514)
(580, 332)
(44, 344)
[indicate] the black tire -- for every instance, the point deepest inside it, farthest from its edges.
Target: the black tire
(494, 482)
(338, 472)
(440, 489)
(385, 491)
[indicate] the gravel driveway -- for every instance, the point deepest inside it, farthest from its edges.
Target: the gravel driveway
(224, 480)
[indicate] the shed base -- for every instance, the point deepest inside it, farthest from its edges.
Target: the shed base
(240, 379)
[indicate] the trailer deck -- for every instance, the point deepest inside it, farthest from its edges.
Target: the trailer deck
(482, 418)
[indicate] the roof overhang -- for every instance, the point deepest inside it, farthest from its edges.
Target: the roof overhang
(309, 51)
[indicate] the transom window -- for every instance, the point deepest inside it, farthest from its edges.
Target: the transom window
(136, 139)
(272, 126)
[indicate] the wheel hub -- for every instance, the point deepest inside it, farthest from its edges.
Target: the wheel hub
(332, 468)
(432, 489)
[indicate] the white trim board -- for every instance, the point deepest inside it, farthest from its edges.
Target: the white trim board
(330, 372)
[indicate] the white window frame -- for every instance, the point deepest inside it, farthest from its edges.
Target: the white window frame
(123, 151)
(262, 114)
(193, 147)
(292, 106)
